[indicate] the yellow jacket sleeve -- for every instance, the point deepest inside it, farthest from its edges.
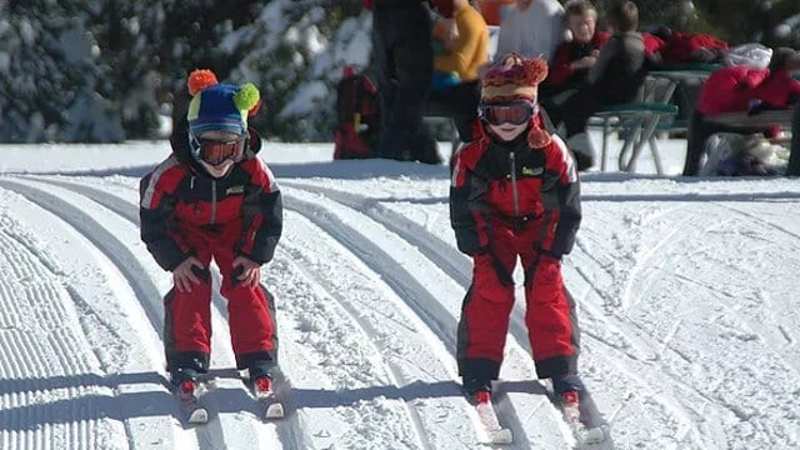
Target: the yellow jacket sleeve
(470, 50)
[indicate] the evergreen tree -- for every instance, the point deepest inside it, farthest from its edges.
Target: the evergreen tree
(51, 84)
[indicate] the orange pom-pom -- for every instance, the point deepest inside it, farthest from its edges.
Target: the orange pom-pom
(200, 79)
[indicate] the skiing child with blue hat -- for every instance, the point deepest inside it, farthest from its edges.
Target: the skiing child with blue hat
(214, 198)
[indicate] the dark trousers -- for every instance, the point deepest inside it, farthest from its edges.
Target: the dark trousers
(700, 130)
(403, 53)
(459, 102)
(794, 160)
(573, 108)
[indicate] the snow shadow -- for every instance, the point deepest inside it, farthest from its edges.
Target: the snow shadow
(128, 405)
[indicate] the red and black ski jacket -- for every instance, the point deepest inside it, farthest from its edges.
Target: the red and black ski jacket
(517, 185)
(178, 197)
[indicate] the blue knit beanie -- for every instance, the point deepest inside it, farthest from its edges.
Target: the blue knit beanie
(219, 107)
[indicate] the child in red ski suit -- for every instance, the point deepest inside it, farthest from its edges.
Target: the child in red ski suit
(214, 198)
(515, 194)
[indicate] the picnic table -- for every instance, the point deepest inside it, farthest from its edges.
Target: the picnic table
(641, 120)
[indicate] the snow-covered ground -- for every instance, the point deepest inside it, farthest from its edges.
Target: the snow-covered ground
(687, 294)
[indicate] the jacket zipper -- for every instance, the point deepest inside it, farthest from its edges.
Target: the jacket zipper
(213, 202)
(514, 193)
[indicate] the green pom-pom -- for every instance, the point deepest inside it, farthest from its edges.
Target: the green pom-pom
(247, 97)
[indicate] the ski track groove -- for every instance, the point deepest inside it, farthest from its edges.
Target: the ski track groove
(418, 298)
(762, 220)
(287, 429)
(443, 256)
(649, 341)
(48, 311)
(722, 403)
(124, 209)
(128, 266)
(351, 310)
(370, 333)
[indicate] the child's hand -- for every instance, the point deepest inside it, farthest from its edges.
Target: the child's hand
(250, 271)
(184, 277)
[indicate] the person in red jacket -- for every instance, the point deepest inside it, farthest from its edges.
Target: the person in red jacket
(213, 198)
(740, 89)
(780, 89)
(574, 58)
(515, 193)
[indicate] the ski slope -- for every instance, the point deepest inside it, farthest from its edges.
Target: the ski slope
(686, 289)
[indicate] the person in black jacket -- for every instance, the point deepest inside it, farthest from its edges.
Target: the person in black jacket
(214, 198)
(515, 193)
(402, 50)
(615, 78)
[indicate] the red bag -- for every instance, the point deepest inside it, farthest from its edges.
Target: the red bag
(358, 116)
(683, 47)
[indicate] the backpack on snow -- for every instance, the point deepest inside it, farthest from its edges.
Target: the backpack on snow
(358, 116)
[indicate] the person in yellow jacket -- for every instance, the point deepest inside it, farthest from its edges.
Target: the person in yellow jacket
(469, 48)
(465, 49)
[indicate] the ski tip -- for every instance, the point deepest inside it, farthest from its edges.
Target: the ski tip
(198, 416)
(274, 411)
(593, 436)
(501, 437)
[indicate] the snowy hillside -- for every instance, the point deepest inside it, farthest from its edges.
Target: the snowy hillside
(687, 294)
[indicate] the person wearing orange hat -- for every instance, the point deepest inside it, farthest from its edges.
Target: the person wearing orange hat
(214, 198)
(515, 193)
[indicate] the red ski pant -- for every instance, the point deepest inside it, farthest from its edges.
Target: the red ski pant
(550, 313)
(251, 313)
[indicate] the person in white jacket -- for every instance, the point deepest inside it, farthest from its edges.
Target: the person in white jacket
(532, 28)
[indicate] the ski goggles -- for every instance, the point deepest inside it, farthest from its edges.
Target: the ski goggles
(216, 152)
(515, 113)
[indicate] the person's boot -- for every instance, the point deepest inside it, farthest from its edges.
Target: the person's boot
(581, 146)
(569, 389)
(426, 150)
(478, 390)
(184, 382)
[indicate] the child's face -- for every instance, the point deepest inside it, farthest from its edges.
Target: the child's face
(508, 120)
(219, 150)
(582, 27)
(508, 132)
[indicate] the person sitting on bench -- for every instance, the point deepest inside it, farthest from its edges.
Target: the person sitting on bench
(741, 89)
(574, 58)
(615, 78)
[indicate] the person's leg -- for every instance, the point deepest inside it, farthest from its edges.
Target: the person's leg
(485, 314)
(251, 311)
(576, 111)
(794, 159)
(413, 60)
(699, 131)
(187, 320)
(461, 103)
(383, 58)
(551, 318)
